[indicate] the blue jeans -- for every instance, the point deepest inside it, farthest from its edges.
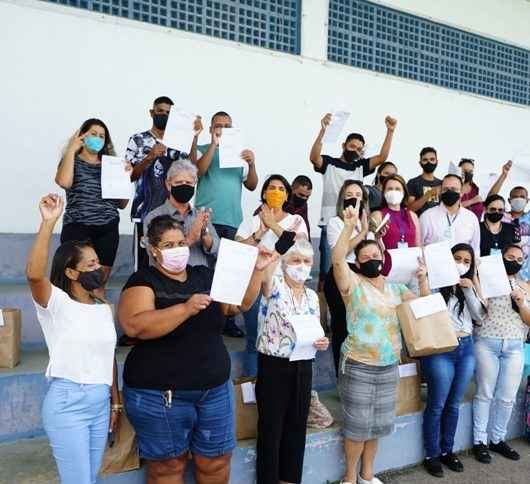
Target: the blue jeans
(76, 419)
(500, 364)
(325, 254)
(251, 330)
(200, 421)
(448, 376)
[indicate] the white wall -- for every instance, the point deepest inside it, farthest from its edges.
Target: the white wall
(63, 65)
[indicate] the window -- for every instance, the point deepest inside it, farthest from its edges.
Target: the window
(273, 24)
(367, 35)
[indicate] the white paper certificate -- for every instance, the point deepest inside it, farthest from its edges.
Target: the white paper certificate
(308, 329)
(404, 264)
(115, 180)
(427, 305)
(493, 278)
(441, 266)
(179, 130)
(333, 131)
(234, 267)
(230, 148)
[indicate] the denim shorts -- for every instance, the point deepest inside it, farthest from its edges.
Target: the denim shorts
(200, 421)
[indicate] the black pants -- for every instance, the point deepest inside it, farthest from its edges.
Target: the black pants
(339, 329)
(141, 257)
(283, 394)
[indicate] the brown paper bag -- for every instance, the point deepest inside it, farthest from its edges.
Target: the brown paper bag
(429, 335)
(10, 328)
(246, 413)
(408, 398)
(123, 455)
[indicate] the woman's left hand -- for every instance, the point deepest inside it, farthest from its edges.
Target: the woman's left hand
(114, 421)
(321, 344)
(421, 273)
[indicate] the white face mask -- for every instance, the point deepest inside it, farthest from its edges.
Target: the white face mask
(518, 204)
(298, 273)
(462, 268)
(394, 197)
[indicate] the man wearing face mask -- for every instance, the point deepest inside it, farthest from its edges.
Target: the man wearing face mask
(351, 165)
(450, 221)
(424, 190)
(297, 203)
(201, 236)
(150, 159)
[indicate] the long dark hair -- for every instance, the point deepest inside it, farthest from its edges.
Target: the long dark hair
(108, 147)
(342, 191)
(456, 290)
(67, 256)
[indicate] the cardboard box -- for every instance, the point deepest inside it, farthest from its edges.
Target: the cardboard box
(10, 335)
(246, 413)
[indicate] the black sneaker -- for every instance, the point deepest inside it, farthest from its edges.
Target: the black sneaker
(481, 453)
(505, 450)
(453, 462)
(433, 467)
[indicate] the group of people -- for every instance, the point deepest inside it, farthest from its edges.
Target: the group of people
(177, 390)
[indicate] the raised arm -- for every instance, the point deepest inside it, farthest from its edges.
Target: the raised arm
(51, 207)
(376, 160)
(197, 130)
(344, 277)
(316, 150)
(251, 181)
(497, 186)
(64, 176)
(203, 163)
(139, 318)
(261, 279)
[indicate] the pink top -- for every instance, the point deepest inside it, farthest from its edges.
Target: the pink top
(476, 208)
(400, 228)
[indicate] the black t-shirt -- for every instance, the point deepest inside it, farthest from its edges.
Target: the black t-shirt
(418, 186)
(489, 241)
(193, 356)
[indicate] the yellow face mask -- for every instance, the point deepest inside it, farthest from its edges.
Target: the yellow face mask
(275, 198)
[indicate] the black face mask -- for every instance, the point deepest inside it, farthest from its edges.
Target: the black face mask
(182, 193)
(298, 201)
(350, 156)
(371, 268)
(352, 202)
(493, 217)
(160, 120)
(91, 280)
(468, 177)
(429, 167)
(381, 179)
(512, 267)
(449, 198)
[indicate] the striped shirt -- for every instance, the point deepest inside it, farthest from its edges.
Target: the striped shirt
(84, 204)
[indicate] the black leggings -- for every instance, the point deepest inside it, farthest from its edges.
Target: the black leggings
(104, 238)
(283, 394)
(339, 329)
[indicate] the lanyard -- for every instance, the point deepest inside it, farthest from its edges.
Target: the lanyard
(297, 310)
(449, 221)
(402, 225)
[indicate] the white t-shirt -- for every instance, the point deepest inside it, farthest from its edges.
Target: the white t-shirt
(334, 229)
(251, 225)
(81, 339)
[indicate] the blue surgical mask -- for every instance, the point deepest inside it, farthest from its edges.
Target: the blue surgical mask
(94, 143)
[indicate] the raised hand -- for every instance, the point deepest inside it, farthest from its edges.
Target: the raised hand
(76, 142)
(265, 259)
(507, 167)
(325, 121)
(158, 150)
(351, 215)
(51, 207)
(197, 126)
(421, 272)
(197, 303)
(390, 123)
(248, 156)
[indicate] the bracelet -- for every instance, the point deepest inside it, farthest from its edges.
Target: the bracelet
(117, 407)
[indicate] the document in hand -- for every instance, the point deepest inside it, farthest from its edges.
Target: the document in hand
(333, 131)
(230, 148)
(404, 264)
(493, 278)
(115, 180)
(308, 329)
(179, 130)
(235, 264)
(441, 266)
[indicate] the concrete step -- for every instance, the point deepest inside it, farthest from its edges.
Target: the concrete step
(22, 389)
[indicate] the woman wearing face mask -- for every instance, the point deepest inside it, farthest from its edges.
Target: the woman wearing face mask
(371, 352)
(82, 402)
(263, 230)
(351, 193)
(499, 352)
(448, 374)
(177, 387)
(403, 227)
(375, 191)
(88, 216)
(470, 193)
(283, 389)
(495, 234)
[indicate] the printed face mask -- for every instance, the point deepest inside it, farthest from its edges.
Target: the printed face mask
(175, 259)
(94, 143)
(298, 273)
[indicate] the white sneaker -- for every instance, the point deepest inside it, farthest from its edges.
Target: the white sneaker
(375, 480)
